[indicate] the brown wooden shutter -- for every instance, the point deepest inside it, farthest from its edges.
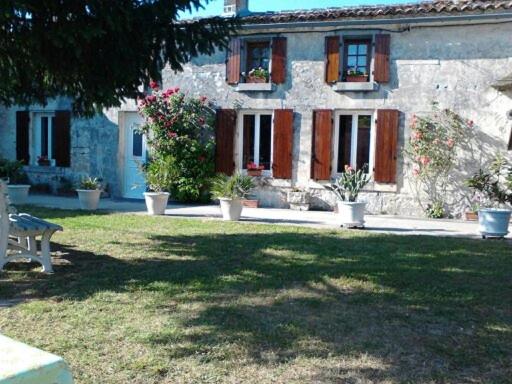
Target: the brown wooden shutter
(233, 61)
(322, 136)
(279, 60)
(382, 51)
(22, 135)
(61, 138)
(224, 141)
(386, 145)
(332, 59)
(283, 144)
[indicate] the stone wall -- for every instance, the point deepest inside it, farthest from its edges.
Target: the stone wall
(453, 65)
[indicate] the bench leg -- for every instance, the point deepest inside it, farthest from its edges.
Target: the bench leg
(46, 259)
(32, 247)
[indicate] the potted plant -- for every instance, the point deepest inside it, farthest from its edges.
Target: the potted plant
(230, 190)
(496, 185)
(346, 189)
(471, 214)
(254, 170)
(43, 161)
(158, 174)
(355, 76)
(298, 199)
(89, 191)
(18, 187)
(258, 75)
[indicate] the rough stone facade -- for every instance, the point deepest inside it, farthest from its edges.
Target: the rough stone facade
(452, 64)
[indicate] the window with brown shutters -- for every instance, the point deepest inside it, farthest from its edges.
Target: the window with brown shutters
(61, 139)
(386, 146)
(382, 53)
(233, 61)
(332, 59)
(22, 136)
(278, 74)
(321, 144)
(283, 144)
(224, 141)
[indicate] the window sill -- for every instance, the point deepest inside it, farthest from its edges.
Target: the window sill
(355, 87)
(44, 169)
(254, 87)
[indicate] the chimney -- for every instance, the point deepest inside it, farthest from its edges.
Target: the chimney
(236, 7)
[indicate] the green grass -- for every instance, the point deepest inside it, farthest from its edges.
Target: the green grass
(139, 299)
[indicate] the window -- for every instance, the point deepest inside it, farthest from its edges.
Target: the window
(43, 136)
(257, 139)
(353, 141)
(357, 59)
(257, 61)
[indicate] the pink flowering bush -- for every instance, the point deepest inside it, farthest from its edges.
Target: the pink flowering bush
(180, 130)
(432, 152)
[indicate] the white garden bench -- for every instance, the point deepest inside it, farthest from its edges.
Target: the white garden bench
(18, 233)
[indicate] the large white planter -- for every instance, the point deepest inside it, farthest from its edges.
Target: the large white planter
(494, 222)
(351, 213)
(231, 209)
(18, 193)
(156, 202)
(89, 199)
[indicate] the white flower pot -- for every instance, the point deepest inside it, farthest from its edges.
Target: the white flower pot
(231, 209)
(494, 222)
(156, 202)
(89, 198)
(351, 213)
(18, 193)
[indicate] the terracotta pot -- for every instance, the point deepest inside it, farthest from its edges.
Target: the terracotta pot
(471, 216)
(357, 78)
(254, 79)
(250, 203)
(254, 172)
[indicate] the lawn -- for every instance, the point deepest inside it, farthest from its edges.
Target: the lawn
(139, 299)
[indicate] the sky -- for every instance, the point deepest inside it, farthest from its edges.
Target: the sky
(215, 7)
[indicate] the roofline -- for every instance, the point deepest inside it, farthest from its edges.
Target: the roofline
(380, 21)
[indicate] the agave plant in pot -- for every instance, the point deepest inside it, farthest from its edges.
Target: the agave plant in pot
(496, 184)
(158, 174)
(89, 192)
(230, 190)
(346, 188)
(18, 186)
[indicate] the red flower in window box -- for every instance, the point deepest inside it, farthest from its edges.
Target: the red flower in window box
(254, 170)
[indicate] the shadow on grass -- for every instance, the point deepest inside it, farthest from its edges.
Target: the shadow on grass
(427, 307)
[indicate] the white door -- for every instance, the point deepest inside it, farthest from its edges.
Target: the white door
(134, 156)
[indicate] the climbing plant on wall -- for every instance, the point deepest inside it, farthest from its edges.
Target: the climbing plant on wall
(180, 129)
(432, 152)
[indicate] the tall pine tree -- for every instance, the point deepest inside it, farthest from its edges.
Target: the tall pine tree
(97, 51)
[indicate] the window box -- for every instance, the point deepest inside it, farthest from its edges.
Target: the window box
(255, 79)
(254, 172)
(357, 78)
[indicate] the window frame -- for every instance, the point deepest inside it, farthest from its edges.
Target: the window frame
(247, 52)
(369, 40)
(353, 145)
(240, 138)
(36, 143)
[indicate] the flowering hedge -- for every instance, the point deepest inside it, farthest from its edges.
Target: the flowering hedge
(180, 129)
(432, 151)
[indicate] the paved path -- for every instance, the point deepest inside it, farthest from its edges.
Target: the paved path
(316, 219)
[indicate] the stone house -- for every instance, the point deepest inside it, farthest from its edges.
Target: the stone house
(342, 87)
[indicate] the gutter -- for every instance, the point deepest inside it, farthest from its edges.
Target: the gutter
(369, 22)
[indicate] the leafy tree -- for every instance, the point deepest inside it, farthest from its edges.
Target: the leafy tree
(97, 51)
